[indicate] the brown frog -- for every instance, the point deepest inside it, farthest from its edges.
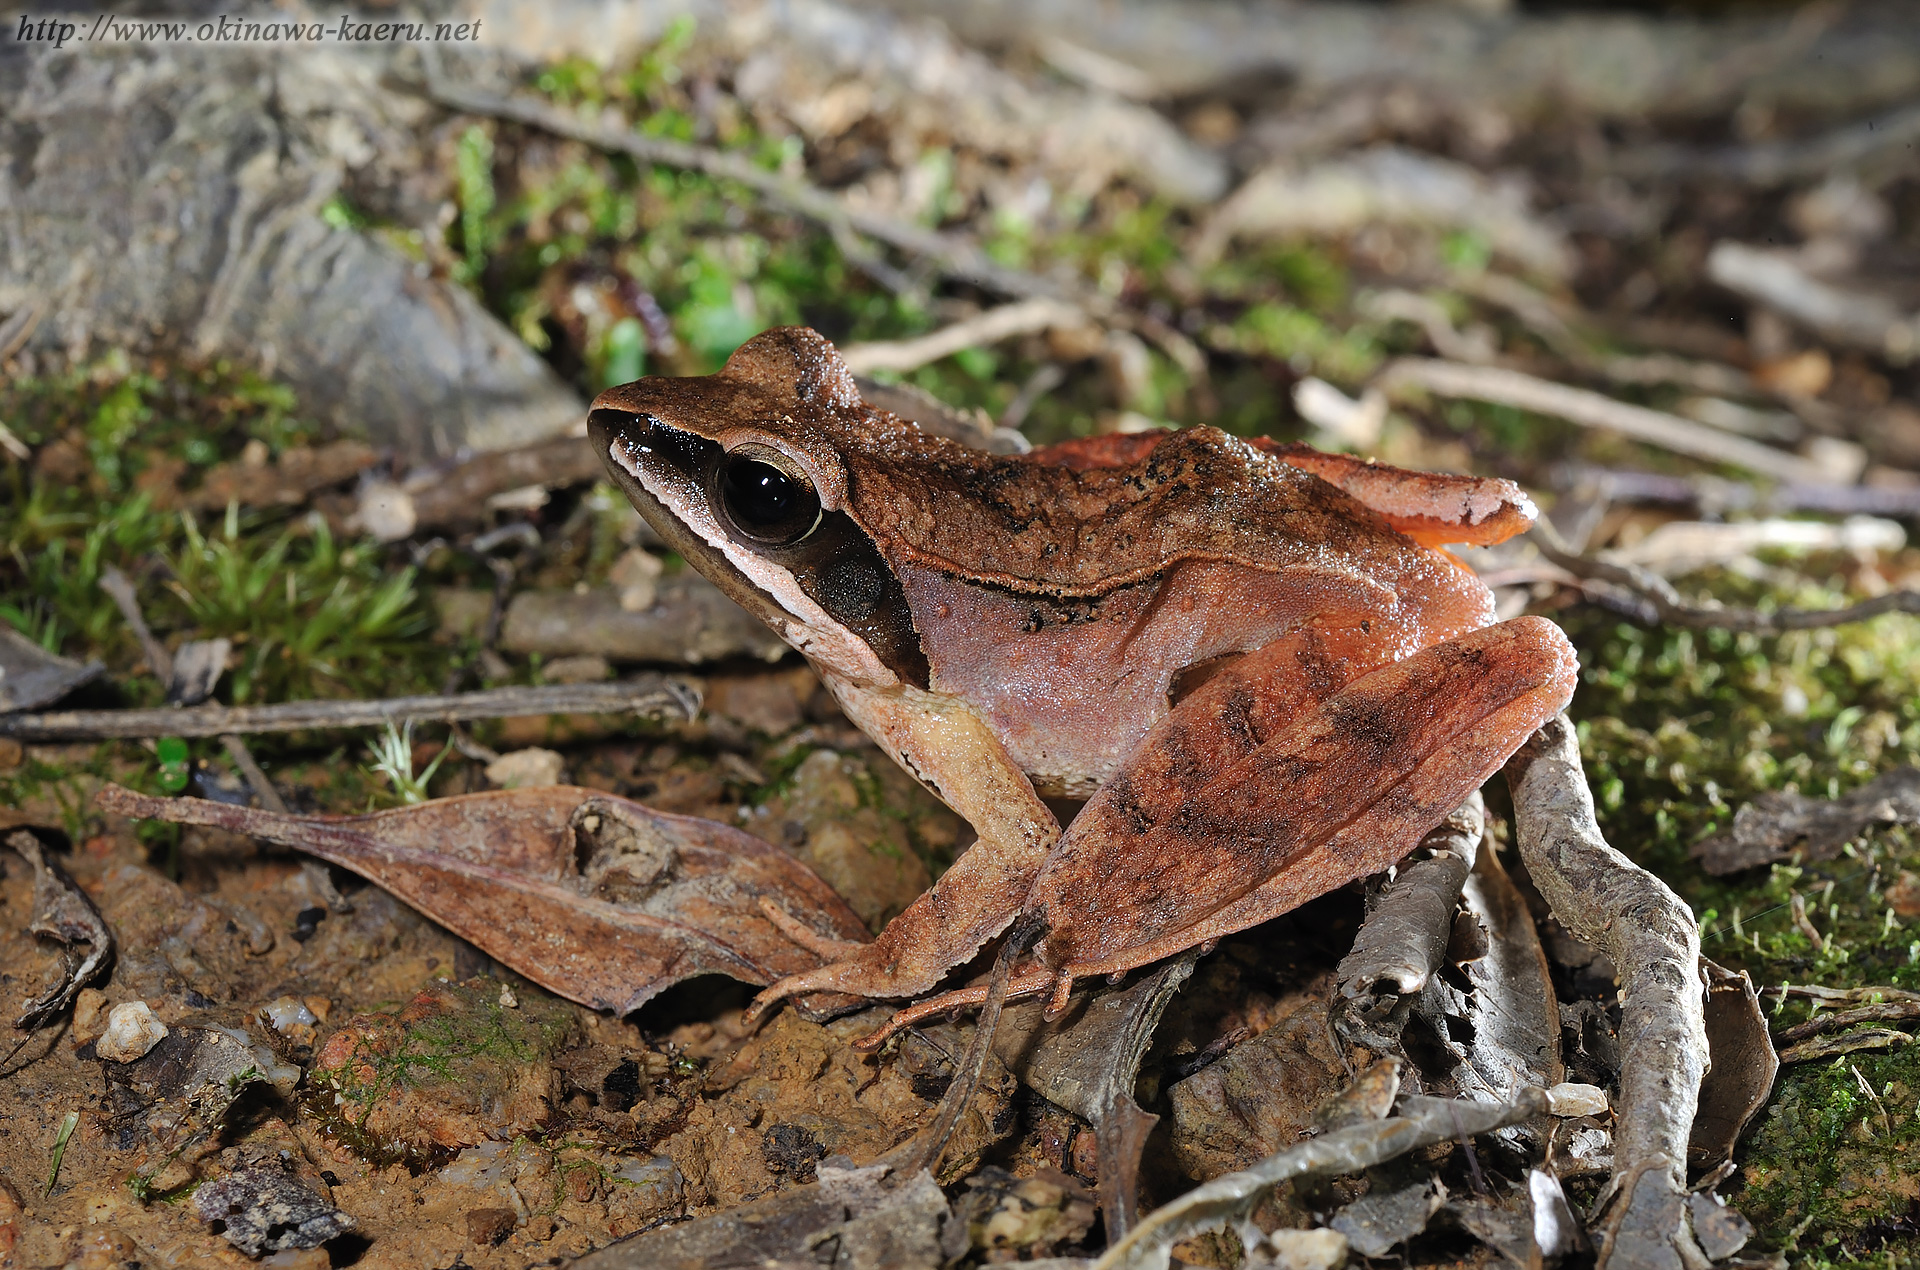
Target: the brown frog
(1250, 658)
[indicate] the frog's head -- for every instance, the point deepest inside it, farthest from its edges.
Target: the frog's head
(740, 473)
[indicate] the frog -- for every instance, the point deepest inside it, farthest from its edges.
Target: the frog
(1252, 664)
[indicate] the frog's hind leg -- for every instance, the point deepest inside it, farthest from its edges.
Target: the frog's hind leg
(1177, 850)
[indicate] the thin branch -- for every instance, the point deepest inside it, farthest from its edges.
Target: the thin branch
(1651, 600)
(116, 585)
(1779, 162)
(1023, 317)
(1820, 1024)
(1592, 410)
(1717, 494)
(1589, 886)
(243, 759)
(652, 696)
(952, 256)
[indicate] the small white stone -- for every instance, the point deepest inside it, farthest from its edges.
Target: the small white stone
(386, 511)
(1570, 1099)
(1320, 1249)
(525, 769)
(131, 1031)
(507, 1000)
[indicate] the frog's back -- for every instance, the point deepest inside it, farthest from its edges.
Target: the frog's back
(1078, 521)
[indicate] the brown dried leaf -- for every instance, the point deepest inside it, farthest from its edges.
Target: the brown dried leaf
(1087, 1062)
(596, 898)
(1775, 825)
(1742, 1071)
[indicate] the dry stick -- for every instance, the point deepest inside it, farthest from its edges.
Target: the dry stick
(1231, 1199)
(952, 256)
(1779, 162)
(650, 695)
(319, 879)
(115, 584)
(1023, 317)
(1650, 935)
(1593, 410)
(1884, 1012)
(1651, 599)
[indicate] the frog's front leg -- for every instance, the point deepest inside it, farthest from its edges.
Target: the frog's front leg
(949, 748)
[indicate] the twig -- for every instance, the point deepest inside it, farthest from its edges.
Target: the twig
(653, 696)
(1589, 886)
(1592, 410)
(115, 584)
(1779, 162)
(1884, 1012)
(1231, 1199)
(1650, 599)
(243, 759)
(952, 256)
(1022, 317)
(13, 445)
(1717, 494)
(1846, 316)
(1824, 1047)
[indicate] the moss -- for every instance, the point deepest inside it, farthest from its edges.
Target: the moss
(1678, 729)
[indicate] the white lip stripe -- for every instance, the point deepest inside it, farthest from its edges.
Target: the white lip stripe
(813, 632)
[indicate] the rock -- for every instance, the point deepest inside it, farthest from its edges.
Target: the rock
(1006, 1217)
(636, 575)
(89, 1016)
(452, 1068)
(524, 769)
(131, 1031)
(292, 1018)
(261, 1207)
(1260, 1097)
(859, 851)
(490, 1226)
(1306, 1249)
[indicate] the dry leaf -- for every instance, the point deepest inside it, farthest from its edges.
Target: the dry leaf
(596, 898)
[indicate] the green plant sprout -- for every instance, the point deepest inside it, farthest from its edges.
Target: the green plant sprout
(393, 759)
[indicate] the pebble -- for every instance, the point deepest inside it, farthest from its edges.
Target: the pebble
(1570, 1099)
(131, 1032)
(1320, 1249)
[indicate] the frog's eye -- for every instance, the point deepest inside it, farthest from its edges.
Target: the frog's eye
(766, 498)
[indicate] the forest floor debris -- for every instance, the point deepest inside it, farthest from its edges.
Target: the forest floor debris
(648, 214)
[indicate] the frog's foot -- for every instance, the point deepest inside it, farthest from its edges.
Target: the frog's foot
(1023, 983)
(825, 947)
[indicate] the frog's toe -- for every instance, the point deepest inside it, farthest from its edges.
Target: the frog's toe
(825, 947)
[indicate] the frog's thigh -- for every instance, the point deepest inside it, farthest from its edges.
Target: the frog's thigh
(1344, 789)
